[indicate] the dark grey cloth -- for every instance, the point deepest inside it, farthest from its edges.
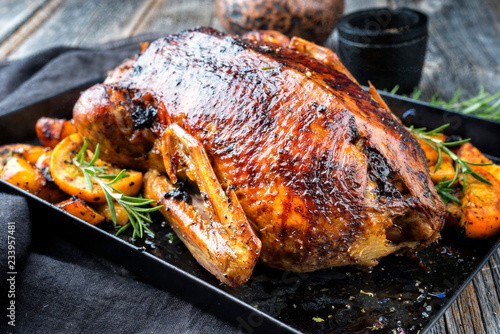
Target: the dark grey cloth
(13, 234)
(60, 288)
(52, 71)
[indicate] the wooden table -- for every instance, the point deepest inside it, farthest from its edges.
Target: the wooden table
(464, 52)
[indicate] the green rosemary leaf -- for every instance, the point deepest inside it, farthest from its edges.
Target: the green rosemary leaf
(152, 209)
(479, 163)
(456, 143)
(118, 177)
(457, 169)
(80, 157)
(472, 108)
(95, 157)
(444, 188)
(483, 104)
(446, 150)
(134, 206)
(419, 130)
(437, 130)
(106, 176)
(395, 89)
(439, 161)
(123, 229)
(493, 106)
(141, 230)
(89, 171)
(88, 180)
(448, 196)
(111, 205)
(148, 230)
(171, 236)
(136, 200)
(454, 99)
(140, 216)
(477, 176)
(95, 170)
(416, 94)
(431, 143)
(433, 99)
(134, 223)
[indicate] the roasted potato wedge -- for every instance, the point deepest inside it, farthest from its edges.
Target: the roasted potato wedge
(72, 181)
(82, 210)
(481, 201)
(430, 153)
(55, 195)
(43, 164)
(446, 168)
(30, 153)
(121, 215)
(25, 175)
(50, 131)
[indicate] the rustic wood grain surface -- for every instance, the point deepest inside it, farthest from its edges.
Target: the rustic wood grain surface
(463, 52)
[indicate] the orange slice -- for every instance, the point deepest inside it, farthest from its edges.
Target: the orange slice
(70, 178)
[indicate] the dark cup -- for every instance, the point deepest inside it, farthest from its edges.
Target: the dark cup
(384, 46)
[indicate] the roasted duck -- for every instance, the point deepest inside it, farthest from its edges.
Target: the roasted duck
(261, 148)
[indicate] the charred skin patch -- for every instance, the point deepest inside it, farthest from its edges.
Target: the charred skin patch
(379, 171)
(144, 117)
(179, 195)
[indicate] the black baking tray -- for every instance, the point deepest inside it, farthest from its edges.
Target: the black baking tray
(402, 293)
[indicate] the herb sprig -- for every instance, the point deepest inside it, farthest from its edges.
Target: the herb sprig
(445, 187)
(483, 104)
(134, 206)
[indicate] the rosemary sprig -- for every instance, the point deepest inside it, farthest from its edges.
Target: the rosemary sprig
(134, 206)
(445, 187)
(483, 104)
(479, 105)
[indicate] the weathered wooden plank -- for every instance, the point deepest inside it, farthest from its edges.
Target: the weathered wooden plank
(353, 5)
(489, 303)
(494, 266)
(13, 13)
(170, 16)
(439, 327)
(464, 317)
(29, 20)
(478, 307)
(83, 23)
(463, 48)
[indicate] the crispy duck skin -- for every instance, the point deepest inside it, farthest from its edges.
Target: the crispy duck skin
(325, 175)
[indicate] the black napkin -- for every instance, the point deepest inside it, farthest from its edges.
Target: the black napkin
(58, 287)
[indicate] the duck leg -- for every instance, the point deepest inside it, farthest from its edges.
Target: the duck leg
(216, 232)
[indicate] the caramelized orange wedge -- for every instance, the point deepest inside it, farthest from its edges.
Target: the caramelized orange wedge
(82, 210)
(70, 178)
